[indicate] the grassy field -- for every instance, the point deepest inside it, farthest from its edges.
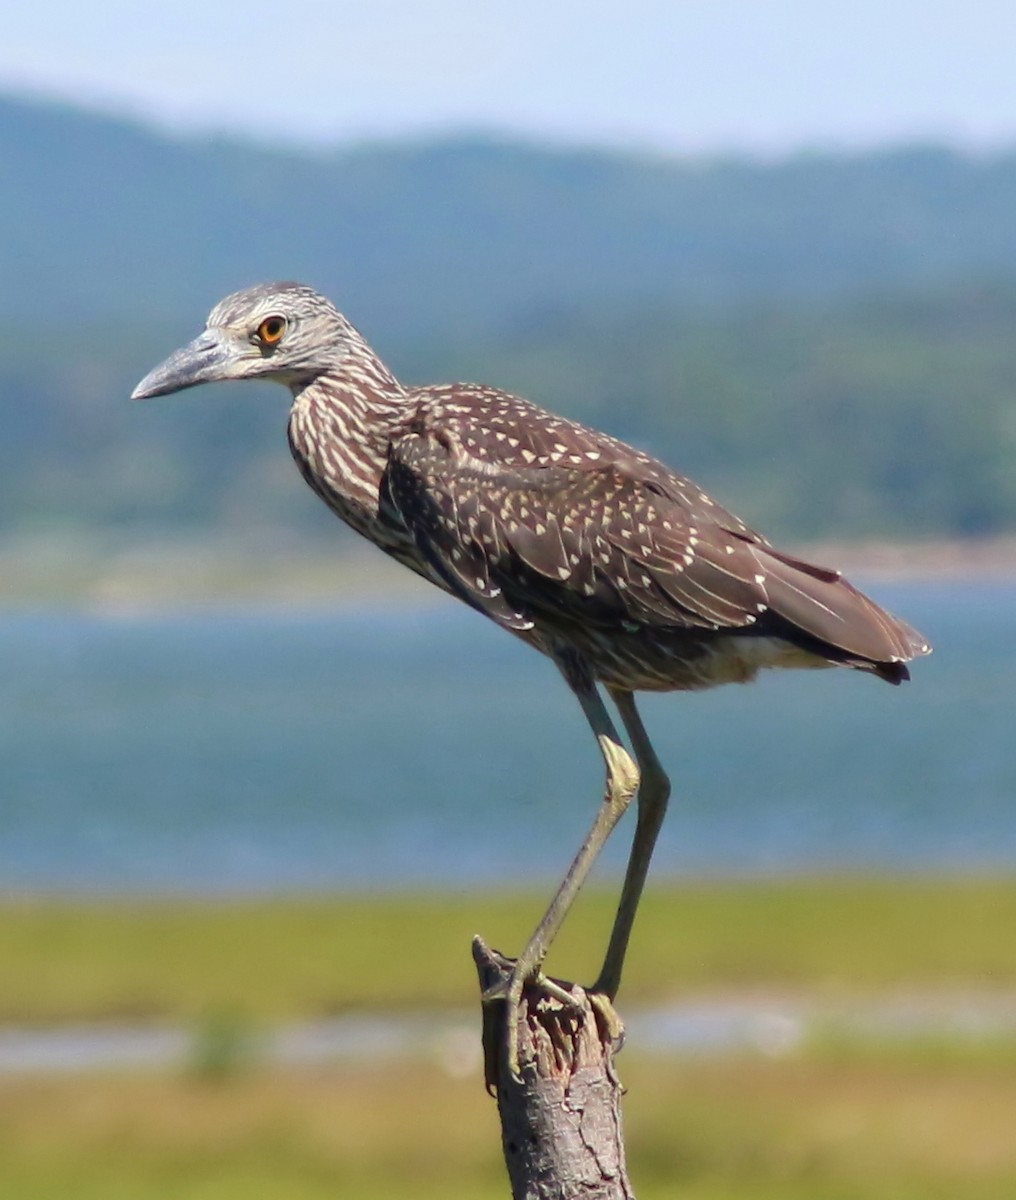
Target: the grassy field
(298, 958)
(831, 1120)
(728, 1129)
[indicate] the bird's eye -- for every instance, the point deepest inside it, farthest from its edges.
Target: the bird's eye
(270, 331)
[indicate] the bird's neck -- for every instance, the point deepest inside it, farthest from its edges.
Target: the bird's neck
(340, 429)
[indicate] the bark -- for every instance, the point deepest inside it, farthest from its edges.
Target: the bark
(561, 1121)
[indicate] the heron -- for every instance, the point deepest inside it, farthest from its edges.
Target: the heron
(626, 575)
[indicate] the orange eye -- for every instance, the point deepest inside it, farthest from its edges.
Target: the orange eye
(270, 331)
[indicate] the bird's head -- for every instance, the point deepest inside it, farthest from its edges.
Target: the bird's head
(285, 332)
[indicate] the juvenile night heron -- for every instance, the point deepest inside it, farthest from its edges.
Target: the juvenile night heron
(624, 574)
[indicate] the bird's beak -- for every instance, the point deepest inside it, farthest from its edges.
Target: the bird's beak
(205, 359)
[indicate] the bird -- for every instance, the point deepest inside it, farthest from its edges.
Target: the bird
(625, 574)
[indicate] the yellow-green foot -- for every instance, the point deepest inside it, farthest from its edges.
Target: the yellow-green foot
(510, 979)
(611, 1025)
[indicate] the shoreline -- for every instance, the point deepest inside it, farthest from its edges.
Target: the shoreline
(991, 558)
(776, 1023)
(181, 575)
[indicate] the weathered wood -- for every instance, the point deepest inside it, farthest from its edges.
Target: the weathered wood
(561, 1121)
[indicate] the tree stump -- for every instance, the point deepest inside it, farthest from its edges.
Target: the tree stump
(561, 1121)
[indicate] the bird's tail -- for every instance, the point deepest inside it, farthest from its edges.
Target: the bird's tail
(826, 613)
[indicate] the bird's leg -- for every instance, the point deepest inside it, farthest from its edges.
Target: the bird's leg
(653, 795)
(621, 784)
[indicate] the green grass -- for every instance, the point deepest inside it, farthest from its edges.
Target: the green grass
(728, 1129)
(295, 958)
(844, 1118)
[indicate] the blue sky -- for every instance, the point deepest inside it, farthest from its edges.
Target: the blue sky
(759, 75)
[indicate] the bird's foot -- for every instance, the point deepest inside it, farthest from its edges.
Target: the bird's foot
(515, 979)
(607, 1018)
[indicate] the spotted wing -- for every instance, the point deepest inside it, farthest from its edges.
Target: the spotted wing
(620, 541)
(595, 542)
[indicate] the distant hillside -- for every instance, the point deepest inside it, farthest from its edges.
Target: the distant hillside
(467, 235)
(888, 414)
(828, 343)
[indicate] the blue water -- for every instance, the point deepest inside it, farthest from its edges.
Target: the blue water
(243, 752)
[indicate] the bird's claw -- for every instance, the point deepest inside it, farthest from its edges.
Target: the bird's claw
(611, 1025)
(509, 989)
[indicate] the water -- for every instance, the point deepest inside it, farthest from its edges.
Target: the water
(770, 1025)
(254, 752)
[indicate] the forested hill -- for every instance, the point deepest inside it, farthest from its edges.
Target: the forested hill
(829, 342)
(103, 215)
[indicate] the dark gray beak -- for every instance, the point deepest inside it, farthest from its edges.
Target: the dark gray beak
(201, 361)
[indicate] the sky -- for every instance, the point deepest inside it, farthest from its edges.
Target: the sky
(757, 76)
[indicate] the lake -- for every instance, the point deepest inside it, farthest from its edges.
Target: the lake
(387, 747)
